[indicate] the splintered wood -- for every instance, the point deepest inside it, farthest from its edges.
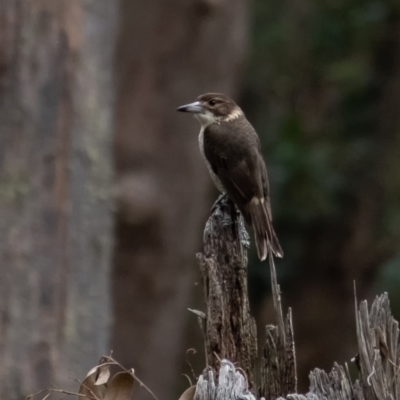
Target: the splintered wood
(231, 384)
(278, 364)
(378, 361)
(230, 333)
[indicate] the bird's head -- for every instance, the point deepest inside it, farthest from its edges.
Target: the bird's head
(211, 108)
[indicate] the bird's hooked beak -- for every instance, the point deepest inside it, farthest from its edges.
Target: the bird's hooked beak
(194, 108)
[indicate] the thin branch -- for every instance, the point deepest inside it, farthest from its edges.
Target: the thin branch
(56, 390)
(86, 387)
(193, 351)
(217, 357)
(188, 378)
(132, 373)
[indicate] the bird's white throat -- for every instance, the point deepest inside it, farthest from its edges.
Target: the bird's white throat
(206, 119)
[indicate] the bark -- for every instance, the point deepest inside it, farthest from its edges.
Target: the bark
(230, 331)
(169, 52)
(55, 203)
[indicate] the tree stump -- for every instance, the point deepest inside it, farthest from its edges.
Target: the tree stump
(230, 332)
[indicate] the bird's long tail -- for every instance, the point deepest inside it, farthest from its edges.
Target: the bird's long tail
(265, 236)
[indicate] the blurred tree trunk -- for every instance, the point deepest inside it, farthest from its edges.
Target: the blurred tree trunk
(55, 204)
(169, 52)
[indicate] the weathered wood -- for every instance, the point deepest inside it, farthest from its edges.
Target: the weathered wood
(230, 331)
(335, 386)
(378, 339)
(278, 366)
(378, 360)
(231, 384)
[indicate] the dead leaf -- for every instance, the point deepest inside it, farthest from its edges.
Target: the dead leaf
(89, 389)
(120, 387)
(102, 375)
(188, 394)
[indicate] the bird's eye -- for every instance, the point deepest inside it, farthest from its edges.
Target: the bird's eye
(212, 102)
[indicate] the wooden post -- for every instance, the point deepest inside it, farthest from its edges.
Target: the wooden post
(230, 331)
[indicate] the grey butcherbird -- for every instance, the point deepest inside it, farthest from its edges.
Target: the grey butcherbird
(232, 151)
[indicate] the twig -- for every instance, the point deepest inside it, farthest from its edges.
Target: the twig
(131, 372)
(110, 361)
(193, 351)
(216, 355)
(56, 390)
(87, 388)
(188, 378)
(373, 368)
(31, 396)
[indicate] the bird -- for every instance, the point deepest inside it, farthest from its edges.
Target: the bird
(231, 150)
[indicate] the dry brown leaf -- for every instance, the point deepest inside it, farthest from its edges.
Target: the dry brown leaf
(102, 375)
(119, 387)
(188, 394)
(89, 389)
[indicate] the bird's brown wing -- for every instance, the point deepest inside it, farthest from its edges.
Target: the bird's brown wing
(235, 159)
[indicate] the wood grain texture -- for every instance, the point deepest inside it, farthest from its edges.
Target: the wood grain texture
(278, 363)
(230, 384)
(230, 331)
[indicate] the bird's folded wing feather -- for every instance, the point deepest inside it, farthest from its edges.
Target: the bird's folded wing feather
(236, 161)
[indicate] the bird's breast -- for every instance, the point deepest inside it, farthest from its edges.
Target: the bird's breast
(214, 177)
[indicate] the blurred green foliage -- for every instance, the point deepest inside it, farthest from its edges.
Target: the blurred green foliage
(315, 91)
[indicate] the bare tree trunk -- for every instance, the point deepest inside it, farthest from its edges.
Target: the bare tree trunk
(55, 204)
(169, 52)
